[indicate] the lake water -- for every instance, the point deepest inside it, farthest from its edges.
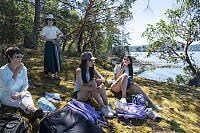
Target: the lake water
(161, 74)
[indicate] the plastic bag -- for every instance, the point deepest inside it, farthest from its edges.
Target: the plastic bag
(45, 105)
(121, 106)
(153, 115)
(53, 97)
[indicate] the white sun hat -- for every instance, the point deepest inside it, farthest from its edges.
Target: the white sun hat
(50, 16)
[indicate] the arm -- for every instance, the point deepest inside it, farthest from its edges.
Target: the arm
(10, 81)
(25, 80)
(60, 34)
(24, 87)
(46, 39)
(80, 82)
(99, 76)
(18, 95)
(118, 74)
(101, 82)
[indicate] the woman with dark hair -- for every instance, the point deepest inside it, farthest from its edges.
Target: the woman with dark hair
(15, 81)
(51, 34)
(86, 86)
(123, 75)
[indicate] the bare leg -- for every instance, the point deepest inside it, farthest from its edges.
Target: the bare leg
(96, 94)
(83, 96)
(98, 98)
(102, 92)
(121, 85)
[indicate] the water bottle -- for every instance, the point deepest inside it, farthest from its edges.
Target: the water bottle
(53, 95)
(121, 106)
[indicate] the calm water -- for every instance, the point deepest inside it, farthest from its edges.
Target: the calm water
(161, 74)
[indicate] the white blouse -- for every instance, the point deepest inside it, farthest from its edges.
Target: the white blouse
(50, 32)
(18, 85)
(117, 70)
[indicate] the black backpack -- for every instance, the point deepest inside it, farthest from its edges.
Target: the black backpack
(10, 123)
(66, 120)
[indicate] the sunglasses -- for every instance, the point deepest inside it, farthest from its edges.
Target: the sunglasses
(92, 61)
(51, 19)
(18, 56)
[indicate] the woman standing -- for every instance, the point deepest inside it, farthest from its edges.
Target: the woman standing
(122, 76)
(86, 86)
(51, 34)
(15, 81)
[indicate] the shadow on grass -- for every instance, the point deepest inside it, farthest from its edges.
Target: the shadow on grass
(175, 127)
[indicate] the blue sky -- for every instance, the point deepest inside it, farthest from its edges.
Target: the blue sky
(142, 17)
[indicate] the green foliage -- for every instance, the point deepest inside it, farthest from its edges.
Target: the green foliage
(100, 27)
(180, 79)
(118, 51)
(170, 80)
(166, 39)
(16, 20)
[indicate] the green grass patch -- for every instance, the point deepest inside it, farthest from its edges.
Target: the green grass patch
(181, 109)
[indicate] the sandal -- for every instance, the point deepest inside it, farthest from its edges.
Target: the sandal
(56, 77)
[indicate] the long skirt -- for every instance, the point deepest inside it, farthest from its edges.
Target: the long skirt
(52, 62)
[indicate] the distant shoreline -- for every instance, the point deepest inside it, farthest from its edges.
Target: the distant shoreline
(147, 64)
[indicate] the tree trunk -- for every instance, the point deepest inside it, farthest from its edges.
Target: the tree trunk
(80, 42)
(67, 38)
(84, 47)
(94, 49)
(83, 26)
(188, 59)
(195, 80)
(36, 23)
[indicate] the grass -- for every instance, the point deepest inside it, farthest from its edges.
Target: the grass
(181, 109)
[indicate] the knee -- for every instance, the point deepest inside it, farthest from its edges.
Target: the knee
(125, 76)
(135, 86)
(82, 99)
(92, 83)
(98, 82)
(102, 88)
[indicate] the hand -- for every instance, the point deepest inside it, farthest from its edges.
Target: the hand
(58, 38)
(53, 41)
(19, 68)
(96, 89)
(92, 83)
(16, 96)
(126, 63)
(124, 66)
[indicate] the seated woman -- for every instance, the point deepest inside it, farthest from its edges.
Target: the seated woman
(122, 73)
(14, 78)
(86, 86)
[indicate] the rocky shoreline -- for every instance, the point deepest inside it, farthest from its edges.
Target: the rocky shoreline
(145, 64)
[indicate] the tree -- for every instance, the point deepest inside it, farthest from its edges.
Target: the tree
(181, 31)
(36, 23)
(99, 15)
